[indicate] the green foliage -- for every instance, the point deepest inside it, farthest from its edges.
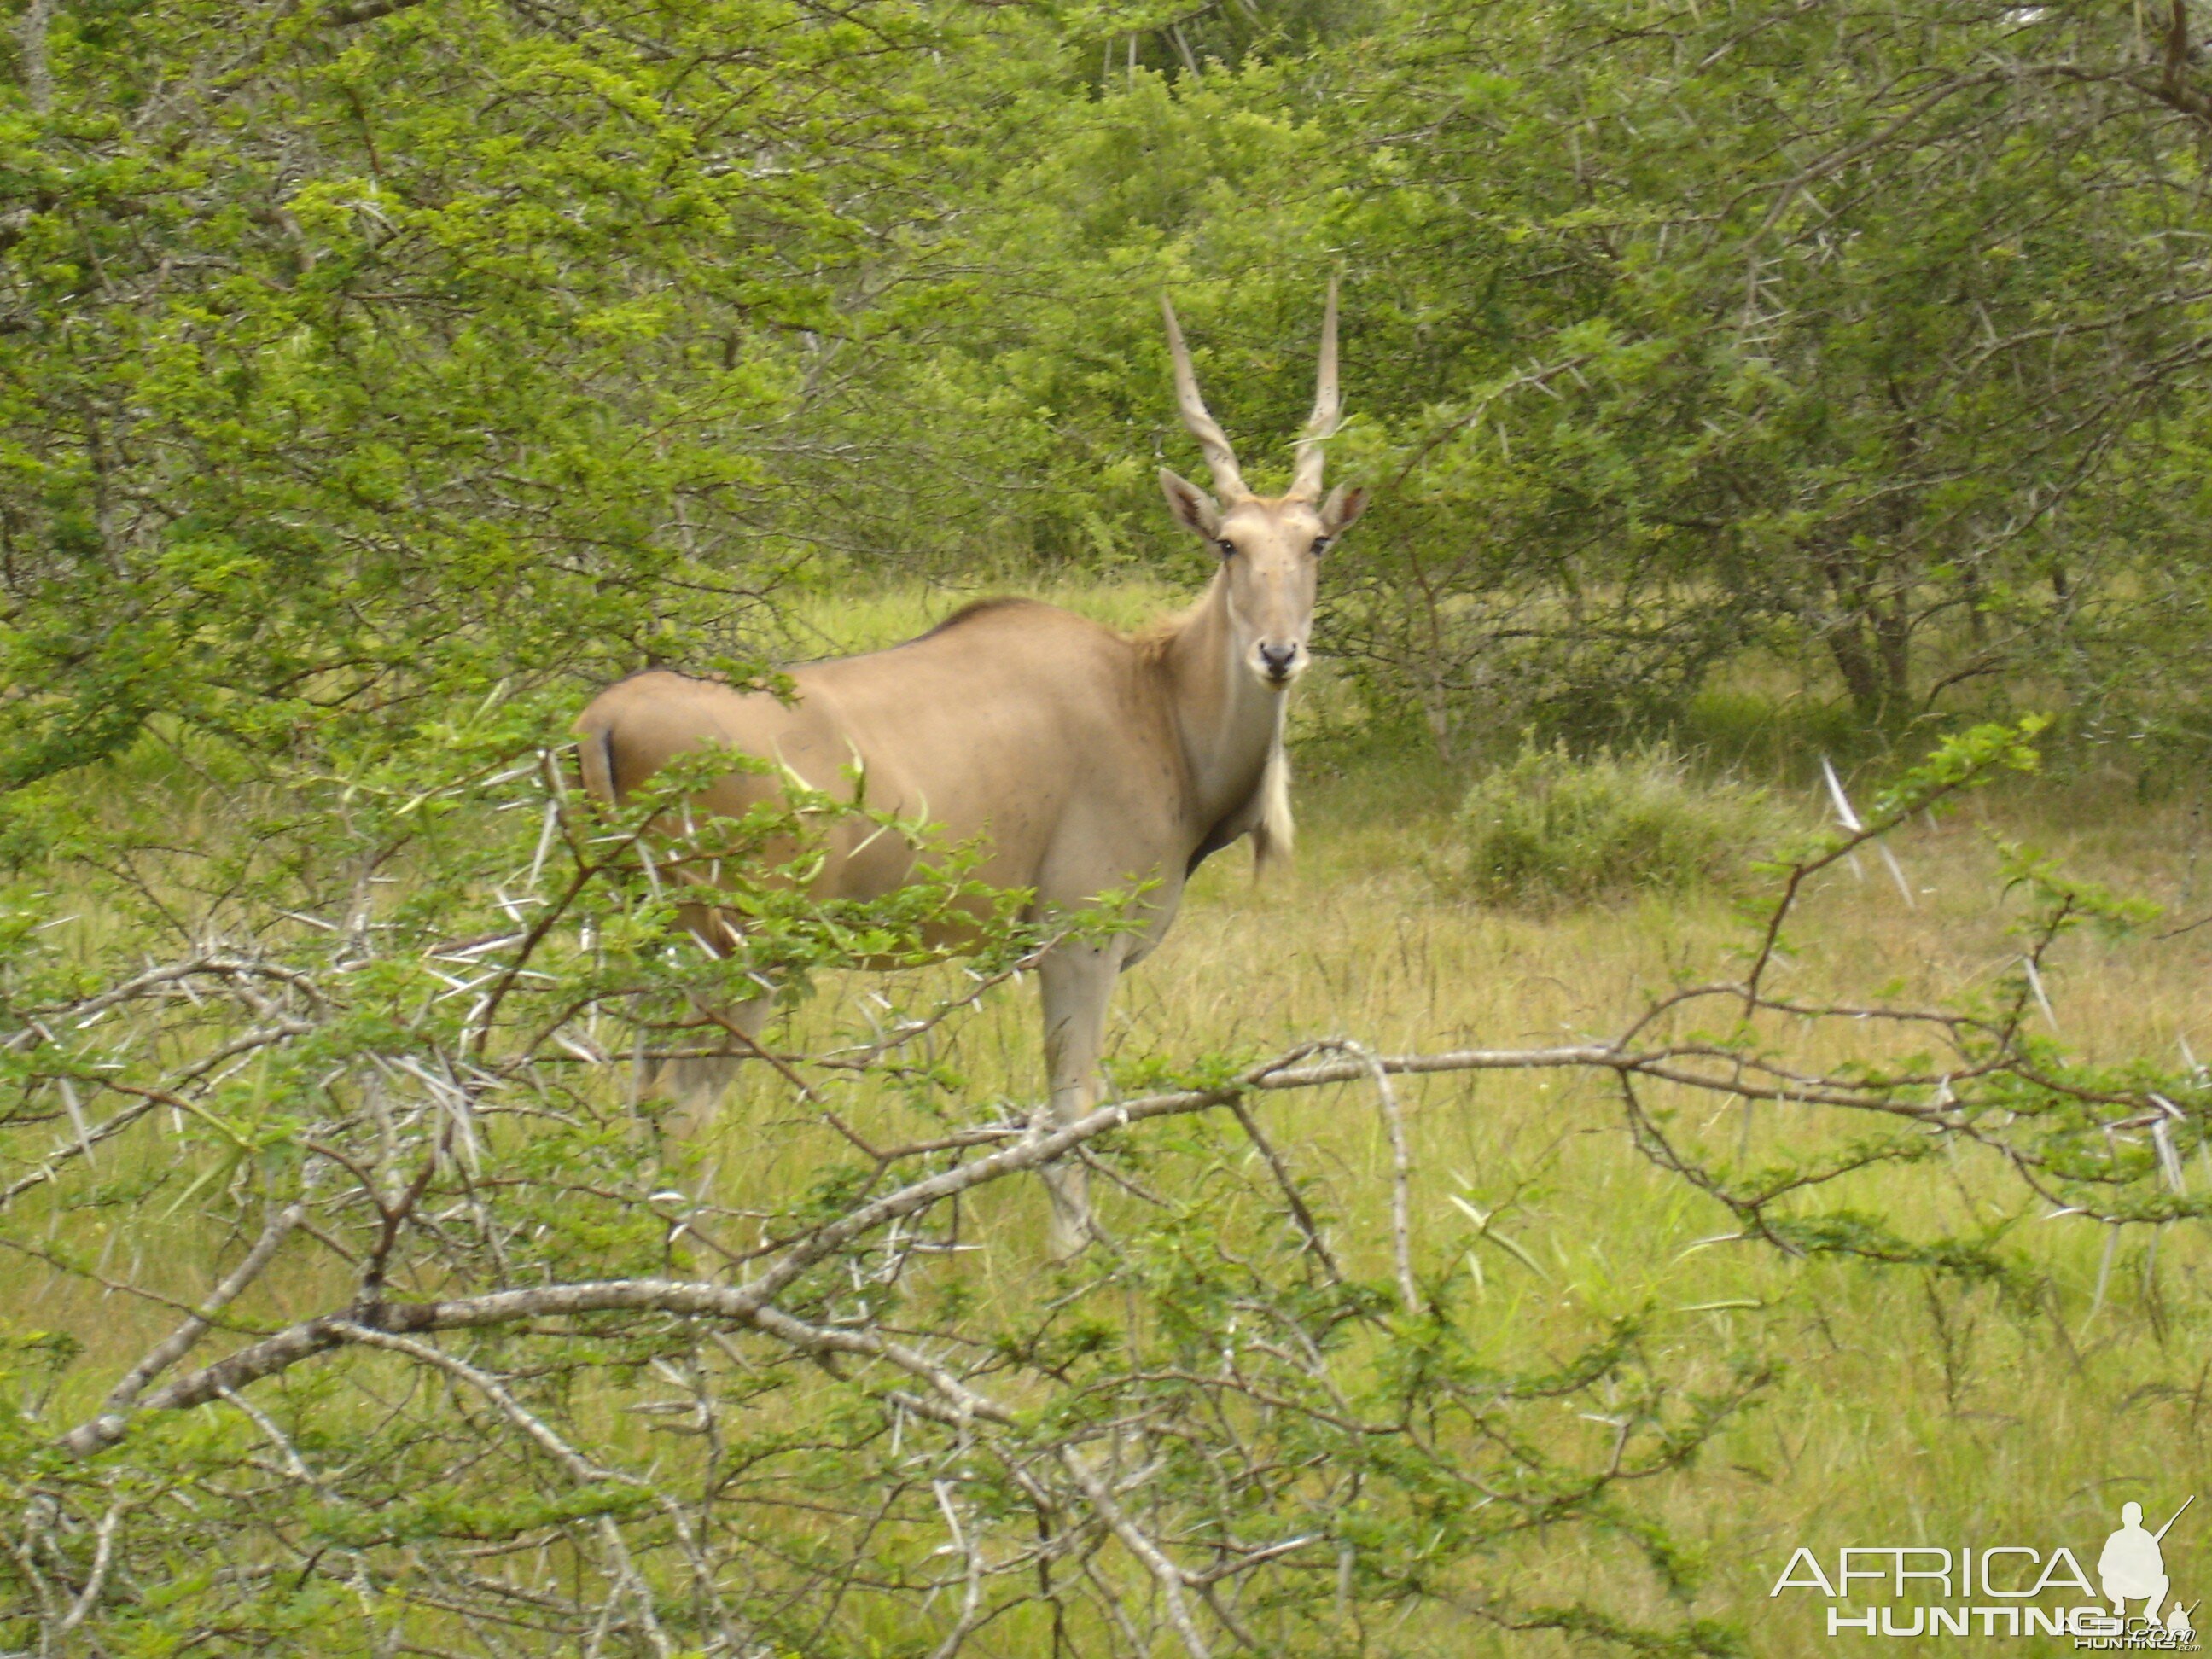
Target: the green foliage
(1554, 828)
(375, 362)
(1876, 338)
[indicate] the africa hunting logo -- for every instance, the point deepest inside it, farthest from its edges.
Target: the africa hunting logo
(2000, 1590)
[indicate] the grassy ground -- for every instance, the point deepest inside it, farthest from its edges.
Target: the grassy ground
(1909, 1411)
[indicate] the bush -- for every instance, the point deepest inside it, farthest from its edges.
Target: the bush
(1553, 829)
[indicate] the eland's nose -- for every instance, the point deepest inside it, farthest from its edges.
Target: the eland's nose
(1278, 658)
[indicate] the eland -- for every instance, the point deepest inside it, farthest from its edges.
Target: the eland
(1079, 759)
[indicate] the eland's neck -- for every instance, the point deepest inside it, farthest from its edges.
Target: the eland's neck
(1229, 723)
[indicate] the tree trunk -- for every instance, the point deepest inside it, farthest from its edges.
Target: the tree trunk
(38, 78)
(1860, 669)
(1869, 637)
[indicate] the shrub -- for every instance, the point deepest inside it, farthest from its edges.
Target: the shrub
(1553, 829)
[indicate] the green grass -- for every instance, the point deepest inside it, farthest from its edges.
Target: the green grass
(1910, 1411)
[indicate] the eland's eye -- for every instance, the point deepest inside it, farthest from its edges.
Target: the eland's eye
(1320, 546)
(1228, 548)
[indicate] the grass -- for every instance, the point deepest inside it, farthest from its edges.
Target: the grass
(1909, 1411)
(1551, 829)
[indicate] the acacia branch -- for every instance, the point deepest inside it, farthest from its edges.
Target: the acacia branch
(1169, 1577)
(180, 1342)
(752, 1303)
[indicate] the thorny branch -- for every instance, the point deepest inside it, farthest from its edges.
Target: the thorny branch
(694, 1420)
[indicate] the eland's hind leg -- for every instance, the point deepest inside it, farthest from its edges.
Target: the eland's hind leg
(695, 1085)
(1077, 981)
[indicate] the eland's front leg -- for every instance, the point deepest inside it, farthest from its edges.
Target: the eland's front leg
(1077, 981)
(694, 1084)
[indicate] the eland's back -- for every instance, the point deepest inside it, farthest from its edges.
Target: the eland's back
(1025, 728)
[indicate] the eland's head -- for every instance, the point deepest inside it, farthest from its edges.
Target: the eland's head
(1270, 546)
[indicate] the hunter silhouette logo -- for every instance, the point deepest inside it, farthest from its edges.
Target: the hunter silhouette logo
(2007, 1590)
(2133, 1568)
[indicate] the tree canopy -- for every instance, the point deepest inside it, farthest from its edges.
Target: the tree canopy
(357, 353)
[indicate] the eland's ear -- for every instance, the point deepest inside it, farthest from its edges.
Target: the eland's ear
(1342, 508)
(1194, 508)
